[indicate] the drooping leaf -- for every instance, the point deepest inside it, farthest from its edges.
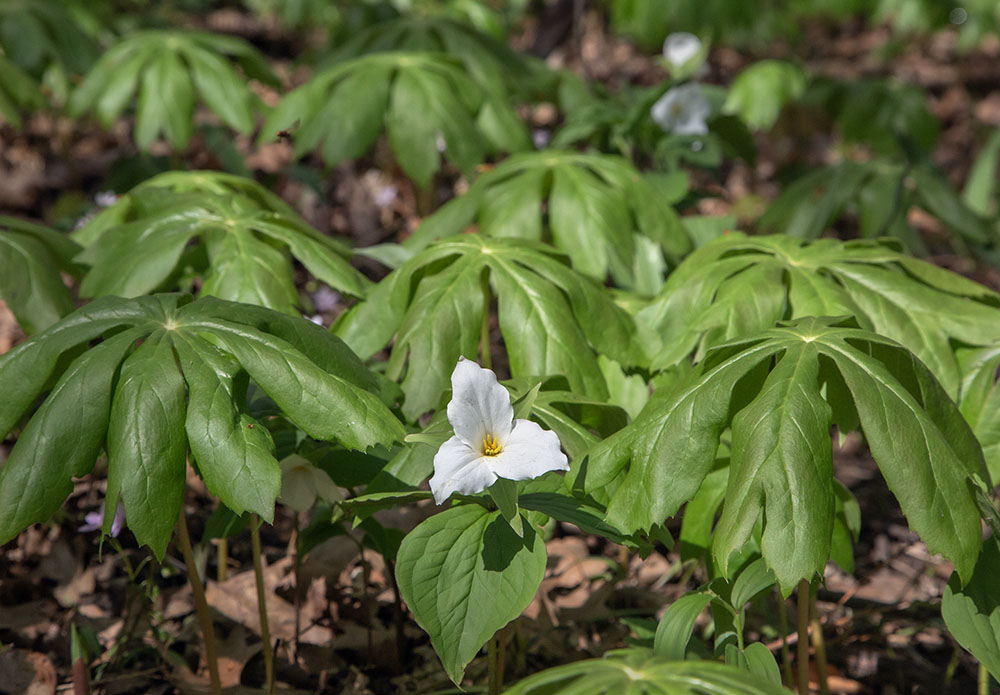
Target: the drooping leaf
(638, 672)
(184, 386)
(972, 611)
(595, 203)
(738, 285)
(31, 257)
(553, 320)
(465, 574)
(249, 237)
(169, 67)
(766, 388)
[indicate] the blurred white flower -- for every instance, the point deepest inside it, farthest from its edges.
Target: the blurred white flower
(489, 443)
(325, 299)
(682, 110)
(302, 483)
(680, 47)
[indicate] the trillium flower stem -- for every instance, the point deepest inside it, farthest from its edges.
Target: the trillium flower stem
(495, 657)
(201, 605)
(265, 632)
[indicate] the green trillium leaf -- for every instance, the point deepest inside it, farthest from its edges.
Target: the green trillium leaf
(465, 573)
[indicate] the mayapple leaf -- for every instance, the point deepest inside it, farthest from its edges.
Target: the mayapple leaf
(779, 391)
(31, 257)
(169, 375)
(464, 573)
(18, 92)
(249, 237)
(738, 285)
(972, 611)
(553, 320)
(639, 672)
(596, 205)
(428, 103)
(169, 68)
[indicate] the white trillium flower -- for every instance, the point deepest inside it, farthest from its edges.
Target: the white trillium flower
(680, 47)
(682, 110)
(302, 483)
(489, 443)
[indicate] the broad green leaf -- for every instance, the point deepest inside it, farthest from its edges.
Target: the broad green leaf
(980, 401)
(233, 451)
(782, 461)
(31, 257)
(553, 320)
(592, 207)
(926, 309)
(248, 237)
(972, 611)
(18, 91)
(465, 574)
(979, 193)
(674, 629)
(147, 448)
(62, 439)
(758, 92)
(639, 672)
(171, 68)
(767, 388)
(186, 385)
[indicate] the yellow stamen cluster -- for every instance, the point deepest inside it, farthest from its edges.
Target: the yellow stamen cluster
(491, 447)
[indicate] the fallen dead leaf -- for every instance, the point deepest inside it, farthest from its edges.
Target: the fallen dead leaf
(24, 672)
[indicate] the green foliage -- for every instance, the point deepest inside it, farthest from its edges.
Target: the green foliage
(168, 68)
(639, 672)
(553, 320)
(598, 209)
(31, 258)
(427, 102)
(246, 238)
(972, 611)
(465, 574)
(758, 93)
(171, 374)
(738, 285)
(981, 186)
(780, 391)
(40, 34)
(880, 193)
(18, 92)
(488, 61)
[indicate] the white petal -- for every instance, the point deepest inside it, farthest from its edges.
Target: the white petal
(529, 452)
(326, 489)
(680, 47)
(297, 489)
(459, 468)
(661, 110)
(479, 405)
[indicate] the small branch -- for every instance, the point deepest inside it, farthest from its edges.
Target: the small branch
(265, 632)
(819, 645)
(201, 605)
(222, 551)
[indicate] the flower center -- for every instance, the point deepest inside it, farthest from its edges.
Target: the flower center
(491, 447)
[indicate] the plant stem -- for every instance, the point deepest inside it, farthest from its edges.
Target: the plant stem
(297, 568)
(802, 647)
(265, 632)
(786, 656)
(484, 333)
(819, 645)
(984, 680)
(222, 569)
(201, 605)
(495, 654)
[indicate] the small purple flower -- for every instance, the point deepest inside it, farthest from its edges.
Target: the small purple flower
(94, 521)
